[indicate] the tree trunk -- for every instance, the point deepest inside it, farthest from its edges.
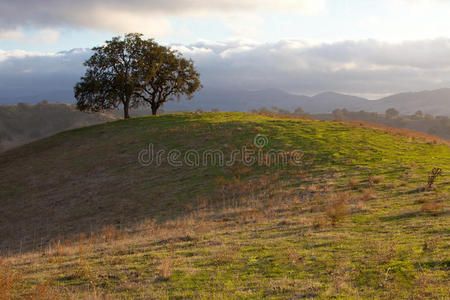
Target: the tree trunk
(154, 110)
(126, 110)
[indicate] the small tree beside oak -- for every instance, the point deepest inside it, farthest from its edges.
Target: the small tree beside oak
(133, 71)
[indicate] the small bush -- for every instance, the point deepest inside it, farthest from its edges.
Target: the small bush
(431, 244)
(59, 248)
(434, 174)
(223, 257)
(353, 183)
(422, 200)
(319, 222)
(337, 209)
(374, 180)
(294, 256)
(110, 233)
(317, 203)
(432, 207)
(82, 270)
(165, 269)
(368, 195)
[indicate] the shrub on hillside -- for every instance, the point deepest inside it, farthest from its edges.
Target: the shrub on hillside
(337, 209)
(432, 207)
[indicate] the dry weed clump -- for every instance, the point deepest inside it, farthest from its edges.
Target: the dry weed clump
(59, 248)
(432, 207)
(202, 202)
(367, 195)
(319, 221)
(422, 200)
(317, 203)
(44, 291)
(337, 208)
(383, 251)
(375, 179)
(294, 256)
(82, 270)
(358, 206)
(224, 256)
(431, 244)
(434, 174)
(110, 233)
(353, 183)
(165, 269)
(432, 177)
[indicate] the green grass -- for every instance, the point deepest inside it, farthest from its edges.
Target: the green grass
(225, 232)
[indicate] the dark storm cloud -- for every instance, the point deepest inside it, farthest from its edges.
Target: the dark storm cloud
(24, 75)
(122, 16)
(363, 67)
(352, 67)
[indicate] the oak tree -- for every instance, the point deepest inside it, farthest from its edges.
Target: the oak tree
(132, 71)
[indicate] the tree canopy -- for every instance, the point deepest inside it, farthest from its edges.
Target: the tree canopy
(133, 71)
(392, 113)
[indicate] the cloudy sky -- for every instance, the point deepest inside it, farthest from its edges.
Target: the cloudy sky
(361, 47)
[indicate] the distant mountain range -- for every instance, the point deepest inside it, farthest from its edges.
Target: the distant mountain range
(435, 102)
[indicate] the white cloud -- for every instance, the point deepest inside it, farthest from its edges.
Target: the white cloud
(243, 25)
(18, 54)
(47, 36)
(15, 35)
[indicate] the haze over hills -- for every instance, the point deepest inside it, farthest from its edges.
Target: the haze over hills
(23, 123)
(435, 102)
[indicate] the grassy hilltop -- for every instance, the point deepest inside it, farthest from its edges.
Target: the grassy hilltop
(81, 217)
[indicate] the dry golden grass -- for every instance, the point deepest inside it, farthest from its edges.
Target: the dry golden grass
(206, 222)
(9, 280)
(110, 233)
(44, 291)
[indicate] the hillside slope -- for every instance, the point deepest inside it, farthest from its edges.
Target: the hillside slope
(347, 220)
(22, 123)
(435, 102)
